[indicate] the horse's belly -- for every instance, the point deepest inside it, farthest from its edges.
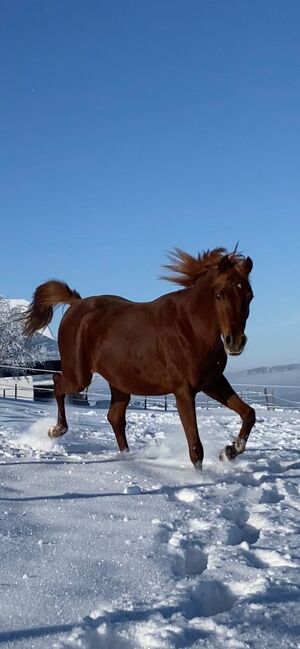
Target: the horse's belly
(132, 376)
(149, 370)
(133, 382)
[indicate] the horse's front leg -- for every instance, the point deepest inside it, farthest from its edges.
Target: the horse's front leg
(223, 392)
(185, 400)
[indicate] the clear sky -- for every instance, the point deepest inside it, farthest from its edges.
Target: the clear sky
(128, 127)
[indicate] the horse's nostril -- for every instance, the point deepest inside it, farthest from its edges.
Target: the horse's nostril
(229, 340)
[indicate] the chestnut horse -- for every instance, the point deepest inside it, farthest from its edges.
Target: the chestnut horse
(177, 343)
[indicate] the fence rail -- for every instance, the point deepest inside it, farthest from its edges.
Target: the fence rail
(268, 395)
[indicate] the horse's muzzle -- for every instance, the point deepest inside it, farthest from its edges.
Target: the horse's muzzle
(234, 344)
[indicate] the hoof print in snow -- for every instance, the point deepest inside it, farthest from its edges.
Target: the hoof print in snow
(240, 529)
(210, 598)
(190, 561)
(132, 490)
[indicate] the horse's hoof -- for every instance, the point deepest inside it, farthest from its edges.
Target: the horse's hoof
(223, 456)
(198, 465)
(56, 431)
(231, 451)
(228, 453)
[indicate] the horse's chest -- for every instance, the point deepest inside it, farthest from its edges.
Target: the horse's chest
(204, 373)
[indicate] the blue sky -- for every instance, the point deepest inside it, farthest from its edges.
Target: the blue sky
(130, 127)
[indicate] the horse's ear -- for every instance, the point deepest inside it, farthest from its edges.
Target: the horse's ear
(248, 265)
(225, 264)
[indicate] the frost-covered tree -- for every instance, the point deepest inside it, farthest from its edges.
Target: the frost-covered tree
(15, 349)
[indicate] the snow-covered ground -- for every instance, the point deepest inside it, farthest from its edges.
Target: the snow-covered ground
(103, 551)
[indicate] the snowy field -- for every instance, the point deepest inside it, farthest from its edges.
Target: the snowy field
(103, 551)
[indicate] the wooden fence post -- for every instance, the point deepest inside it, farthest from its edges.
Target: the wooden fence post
(267, 398)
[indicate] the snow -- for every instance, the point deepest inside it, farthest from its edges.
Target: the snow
(18, 303)
(138, 550)
(23, 384)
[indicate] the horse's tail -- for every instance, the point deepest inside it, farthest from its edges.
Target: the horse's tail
(45, 297)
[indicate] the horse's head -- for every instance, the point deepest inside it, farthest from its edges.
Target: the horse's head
(233, 295)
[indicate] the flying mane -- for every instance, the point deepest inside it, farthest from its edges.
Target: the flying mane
(188, 269)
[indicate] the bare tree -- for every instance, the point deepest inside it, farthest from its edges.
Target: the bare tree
(15, 349)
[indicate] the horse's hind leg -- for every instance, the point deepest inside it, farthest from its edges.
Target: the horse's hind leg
(61, 426)
(61, 388)
(116, 416)
(223, 392)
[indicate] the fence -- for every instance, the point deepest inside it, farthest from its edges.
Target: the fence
(267, 396)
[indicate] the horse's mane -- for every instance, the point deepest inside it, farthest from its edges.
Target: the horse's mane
(188, 269)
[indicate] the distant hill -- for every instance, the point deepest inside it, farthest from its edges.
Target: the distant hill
(283, 380)
(49, 347)
(273, 369)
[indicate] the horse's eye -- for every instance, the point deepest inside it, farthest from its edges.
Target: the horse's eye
(239, 285)
(218, 296)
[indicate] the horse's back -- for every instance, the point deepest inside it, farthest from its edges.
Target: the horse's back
(94, 303)
(99, 307)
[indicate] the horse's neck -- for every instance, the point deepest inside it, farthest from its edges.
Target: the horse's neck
(201, 307)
